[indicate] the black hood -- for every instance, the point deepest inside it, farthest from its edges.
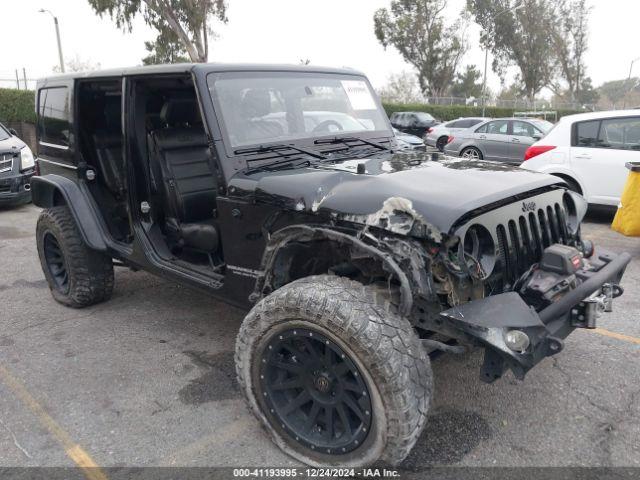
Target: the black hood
(439, 191)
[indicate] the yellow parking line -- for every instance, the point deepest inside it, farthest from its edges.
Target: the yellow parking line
(617, 336)
(73, 450)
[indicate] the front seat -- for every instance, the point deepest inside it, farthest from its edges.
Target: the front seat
(255, 106)
(183, 176)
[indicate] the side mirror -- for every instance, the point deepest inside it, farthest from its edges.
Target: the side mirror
(13, 132)
(536, 136)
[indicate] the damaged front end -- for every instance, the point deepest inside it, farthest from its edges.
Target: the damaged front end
(486, 279)
(515, 279)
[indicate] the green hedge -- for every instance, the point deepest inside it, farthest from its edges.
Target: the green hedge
(451, 112)
(17, 105)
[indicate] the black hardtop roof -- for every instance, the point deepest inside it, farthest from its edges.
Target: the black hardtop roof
(177, 68)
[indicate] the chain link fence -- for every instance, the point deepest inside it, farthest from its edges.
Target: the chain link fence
(18, 79)
(519, 104)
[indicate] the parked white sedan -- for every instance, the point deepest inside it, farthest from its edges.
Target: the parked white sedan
(437, 136)
(589, 151)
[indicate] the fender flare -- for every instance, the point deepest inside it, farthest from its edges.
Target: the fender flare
(43, 192)
(297, 233)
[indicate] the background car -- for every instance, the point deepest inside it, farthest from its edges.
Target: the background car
(438, 135)
(500, 139)
(413, 123)
(589, 152)
(410, 142)
(17, 166)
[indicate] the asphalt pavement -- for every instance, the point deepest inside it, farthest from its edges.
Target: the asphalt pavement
(147, 379)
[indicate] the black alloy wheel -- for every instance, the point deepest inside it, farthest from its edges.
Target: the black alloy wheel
(55, 262)
(314, 391)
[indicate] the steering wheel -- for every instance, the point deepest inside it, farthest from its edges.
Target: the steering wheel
(326, 126)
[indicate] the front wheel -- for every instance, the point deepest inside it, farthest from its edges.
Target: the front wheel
(471, 153)
(336, 376)
(77, 276)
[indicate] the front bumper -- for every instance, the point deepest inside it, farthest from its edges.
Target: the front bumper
(487, 321)
(15, 188)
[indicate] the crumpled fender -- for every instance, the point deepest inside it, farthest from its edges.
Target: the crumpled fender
(412, 278)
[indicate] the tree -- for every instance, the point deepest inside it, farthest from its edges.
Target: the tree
(616, 90)
(570, 42)
(401, 88)
(468, 84)
(184, 23)
(521, 37)
(586, 94)
(78, 64)
(417, 30)
(165, 49)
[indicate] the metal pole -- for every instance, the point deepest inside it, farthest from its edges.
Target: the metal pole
(486, 54)
(484, 82)
(17, 80)
(624, 103)
(55, 20)
(24, 77)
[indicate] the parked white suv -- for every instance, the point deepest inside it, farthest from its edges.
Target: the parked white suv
(589, 152)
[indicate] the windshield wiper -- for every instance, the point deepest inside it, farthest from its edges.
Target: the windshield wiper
(348, 140)
(276, 148)
(285, 162)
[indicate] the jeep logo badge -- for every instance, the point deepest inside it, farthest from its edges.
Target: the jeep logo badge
(528, 206)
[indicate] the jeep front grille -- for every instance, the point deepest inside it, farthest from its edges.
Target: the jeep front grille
(521, 241)
(6, 163)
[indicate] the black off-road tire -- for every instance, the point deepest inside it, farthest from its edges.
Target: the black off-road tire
(381, 343)
(89, 273)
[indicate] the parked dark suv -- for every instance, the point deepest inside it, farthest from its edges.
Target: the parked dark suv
(355, 260)
(413, 123)
(17, 166)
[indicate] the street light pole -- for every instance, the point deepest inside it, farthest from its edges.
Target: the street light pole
(624, 103)
(55, 21)
(484, 82)
(486, 57)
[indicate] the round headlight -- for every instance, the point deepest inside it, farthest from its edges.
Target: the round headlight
(479, 251)
(575, 207)
(517, 340)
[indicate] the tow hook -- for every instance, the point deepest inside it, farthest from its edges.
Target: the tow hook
(585, 314)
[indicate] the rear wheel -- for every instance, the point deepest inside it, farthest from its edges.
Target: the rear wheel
(441, 143)
(77, 276)
(471, 153)
(334, 374)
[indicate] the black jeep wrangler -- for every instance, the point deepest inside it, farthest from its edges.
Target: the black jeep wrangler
(281, 190)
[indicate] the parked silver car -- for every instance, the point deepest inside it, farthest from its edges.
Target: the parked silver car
(500, 139)
(437, 136)
(409, 142)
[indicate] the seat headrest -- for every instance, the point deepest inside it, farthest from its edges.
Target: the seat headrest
(256, 103)
(180, 111)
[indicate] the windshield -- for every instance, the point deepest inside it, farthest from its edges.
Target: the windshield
(424, 117)
(543, 125)
(259, 108)
(4, 133)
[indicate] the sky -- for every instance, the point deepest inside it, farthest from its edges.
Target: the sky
(327, 32)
